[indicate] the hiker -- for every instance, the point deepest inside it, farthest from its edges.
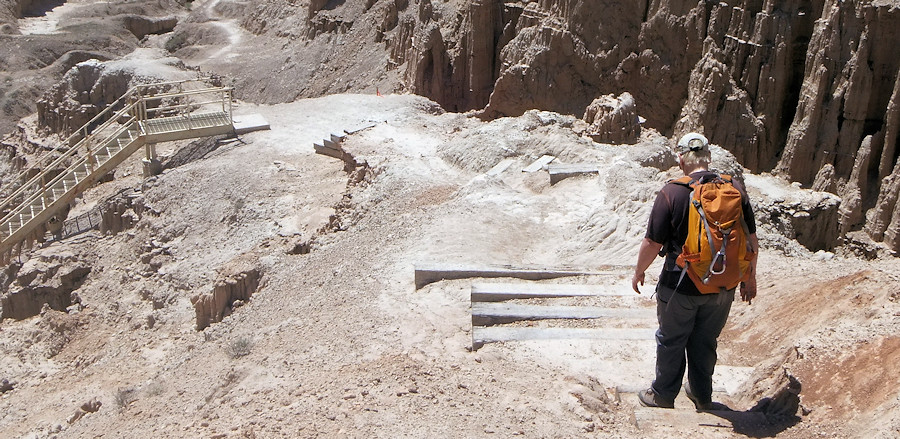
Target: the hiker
(689, 320)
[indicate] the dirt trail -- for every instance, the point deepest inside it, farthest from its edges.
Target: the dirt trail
(49, 23)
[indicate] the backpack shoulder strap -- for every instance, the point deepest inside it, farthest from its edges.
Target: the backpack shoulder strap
(686, 181)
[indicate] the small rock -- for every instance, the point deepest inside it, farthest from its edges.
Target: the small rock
(5, 385)
(91, 406)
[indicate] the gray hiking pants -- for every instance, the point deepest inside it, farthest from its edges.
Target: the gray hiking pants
(688, 325)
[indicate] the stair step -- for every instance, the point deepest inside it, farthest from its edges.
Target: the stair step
(487, 314)
(492, 334)
(666, 422)
(492, 292)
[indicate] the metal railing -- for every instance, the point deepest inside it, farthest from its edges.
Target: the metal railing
(94, 146)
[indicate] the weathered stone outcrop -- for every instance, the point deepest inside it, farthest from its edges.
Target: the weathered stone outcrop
(43, 282)
(217, 304)
(793, 87)
(613, 120)
(89, 86)
(120, 213)
(810, 219)
(847, 116)
(141, 26)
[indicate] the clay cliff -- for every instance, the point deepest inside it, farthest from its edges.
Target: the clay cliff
(807, 90)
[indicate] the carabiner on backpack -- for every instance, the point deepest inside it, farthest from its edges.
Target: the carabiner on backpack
(720, 254)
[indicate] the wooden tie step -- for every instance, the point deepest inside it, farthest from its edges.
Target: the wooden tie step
(492, 313)
(429, 273)
(559, 171)
(494, 292)
(331, 146)
(487, 314)
(495, 334)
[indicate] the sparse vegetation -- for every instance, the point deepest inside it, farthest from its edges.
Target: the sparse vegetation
(239, 347)
(177, 41)
(154, 389)
(125, 396)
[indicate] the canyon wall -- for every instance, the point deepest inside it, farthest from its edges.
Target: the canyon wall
(805, 89)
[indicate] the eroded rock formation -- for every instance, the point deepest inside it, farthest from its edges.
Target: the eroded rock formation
(791, 87)
(90, 86)
(613, 120)
(217, 304)
(43, 282)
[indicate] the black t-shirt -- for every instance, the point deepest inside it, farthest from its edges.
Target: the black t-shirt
(668, 226)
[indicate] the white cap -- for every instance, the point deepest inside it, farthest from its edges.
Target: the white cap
(692, 142)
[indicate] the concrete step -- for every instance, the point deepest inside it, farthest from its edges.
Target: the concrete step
(494, 292)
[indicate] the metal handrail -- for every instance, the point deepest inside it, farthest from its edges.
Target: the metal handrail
(38, 195)
(42, 193)
(83, 131)
(73, 151)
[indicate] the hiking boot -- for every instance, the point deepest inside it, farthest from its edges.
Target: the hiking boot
(704, 406)
(649, 398)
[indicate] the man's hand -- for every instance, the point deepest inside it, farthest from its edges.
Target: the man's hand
(748, 291)
(637, 279)
(646, 254)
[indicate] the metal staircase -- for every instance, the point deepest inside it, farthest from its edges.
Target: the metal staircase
(38, 198)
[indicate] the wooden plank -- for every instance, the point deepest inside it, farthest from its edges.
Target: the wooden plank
(496, 292)
(493, 334)
(360, 127)
(428, 273)
(331, 144)
(539, 163)
(321, 149)
(559, 172)
(500, 167)
(678, 420)
(486, 314)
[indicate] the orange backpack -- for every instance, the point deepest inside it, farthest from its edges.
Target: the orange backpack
(716, 254)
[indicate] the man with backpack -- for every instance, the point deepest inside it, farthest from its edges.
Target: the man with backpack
(704, 226)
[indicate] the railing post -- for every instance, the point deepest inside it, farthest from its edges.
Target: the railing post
(151, 164)
(228, 99)
(89, 158)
